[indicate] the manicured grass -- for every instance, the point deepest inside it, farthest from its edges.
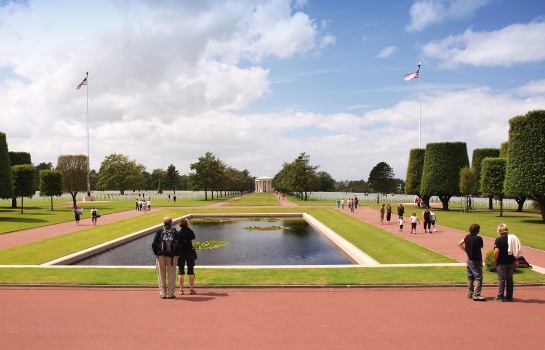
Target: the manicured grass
(401, 276)
(256, 200)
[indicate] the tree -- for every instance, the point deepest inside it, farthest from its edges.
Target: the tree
(478, 155)
(381, 178)
(172, 178)
(158, 175)
(6, 176)
(50, 184)
(493, 178)
(23, 181)
(525, 164)
(298, 176)
(207, 172)
(520, 198)
(40, 167)
(415, 166)
(117, 172)
(441, 173)
(468, 184)
(74, 174)
(159, 187)
(325, 182)
(18, 158)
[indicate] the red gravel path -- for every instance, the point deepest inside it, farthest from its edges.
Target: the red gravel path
(284, 318)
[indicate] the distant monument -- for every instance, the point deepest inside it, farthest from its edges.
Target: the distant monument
(263, 184)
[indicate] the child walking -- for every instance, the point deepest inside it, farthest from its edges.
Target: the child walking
(414, 221)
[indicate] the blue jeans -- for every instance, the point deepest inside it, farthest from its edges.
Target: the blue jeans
(474, 276)
(505, 280)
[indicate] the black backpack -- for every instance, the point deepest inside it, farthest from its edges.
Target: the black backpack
(521, 262)
(168, 244)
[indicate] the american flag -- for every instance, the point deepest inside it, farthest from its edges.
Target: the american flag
(412, 75)
(84, 82)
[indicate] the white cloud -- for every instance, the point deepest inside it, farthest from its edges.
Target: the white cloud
(533, 88)
(387, 52)
(428, 12)
(517, 43)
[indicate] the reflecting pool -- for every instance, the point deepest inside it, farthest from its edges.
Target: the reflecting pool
(297, 244)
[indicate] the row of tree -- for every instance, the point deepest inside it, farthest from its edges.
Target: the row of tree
(515, 170)
(300, 177)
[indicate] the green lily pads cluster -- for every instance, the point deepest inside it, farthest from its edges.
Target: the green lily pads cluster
(208, 245)
(266, 228)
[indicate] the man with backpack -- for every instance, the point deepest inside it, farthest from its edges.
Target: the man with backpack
(166, 249)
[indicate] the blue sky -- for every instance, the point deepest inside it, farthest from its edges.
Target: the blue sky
(258, 82)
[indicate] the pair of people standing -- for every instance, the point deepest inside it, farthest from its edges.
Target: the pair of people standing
(506, 248)
(174, 248)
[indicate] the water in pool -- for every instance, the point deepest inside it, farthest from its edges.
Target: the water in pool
(297, 244)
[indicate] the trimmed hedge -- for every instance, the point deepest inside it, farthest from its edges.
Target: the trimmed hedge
(476, 161)
(525, 167)
(6, 178)
(414, 171)
(441, 173)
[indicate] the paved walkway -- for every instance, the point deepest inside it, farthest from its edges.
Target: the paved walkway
(271, 318)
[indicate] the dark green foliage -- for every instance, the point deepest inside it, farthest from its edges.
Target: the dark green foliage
(18, 158)
(489, 261)
(504, 149)
(414, 171)
(492, 178)
(207, 173)
(74, 174)
(6, 177)
(476, 161)
(298, 176)
(525, 174)
(50, 184)
(159, 186)
(23, 181)
(441, 175)
(381, 178)
(325, 182)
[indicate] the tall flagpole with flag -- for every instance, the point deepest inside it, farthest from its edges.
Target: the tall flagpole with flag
(411, 76)
(86, 83)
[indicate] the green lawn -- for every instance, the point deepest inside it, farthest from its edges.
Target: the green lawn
(38, 212)
(381, 245)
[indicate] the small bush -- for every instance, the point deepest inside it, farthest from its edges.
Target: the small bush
(489, 261)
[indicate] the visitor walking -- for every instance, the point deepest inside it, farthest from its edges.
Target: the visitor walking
(338, 203)
(187, 256)
(433, 219)
(77, 214)
(388, 213)
(427, 220)
(472, 244)
(382, 211)
(400, 211)
(414, 220)
(94, 215)
(165, 248)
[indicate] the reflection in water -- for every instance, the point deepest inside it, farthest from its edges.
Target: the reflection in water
(298, 244)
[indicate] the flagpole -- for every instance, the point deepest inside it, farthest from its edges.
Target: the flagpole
(88, 153)
(420, 111)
